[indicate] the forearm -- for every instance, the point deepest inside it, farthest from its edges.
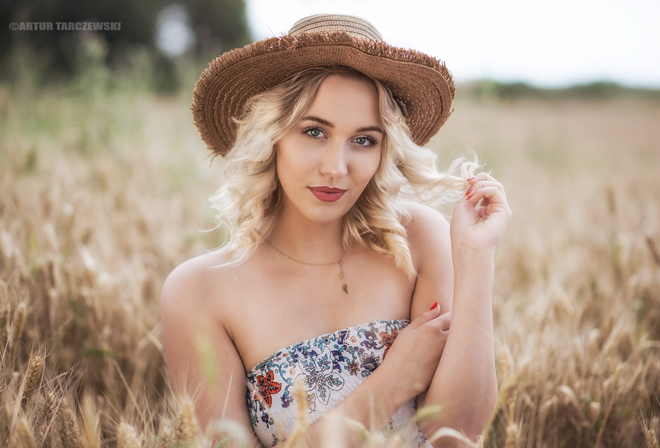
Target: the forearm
(370, 405)
(465, 383)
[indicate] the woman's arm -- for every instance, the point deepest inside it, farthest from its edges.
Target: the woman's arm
(201, 358)
(406, 371)
(204, 363)
(430, 247)
(464, 384)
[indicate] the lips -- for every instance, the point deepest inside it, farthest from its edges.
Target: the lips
(327, 194)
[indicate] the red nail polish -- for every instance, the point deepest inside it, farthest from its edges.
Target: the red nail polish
(470, 197)
(468, 192)
(472, 178)
(435, 305)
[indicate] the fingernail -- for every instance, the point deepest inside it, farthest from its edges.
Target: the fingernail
(470, 197)
(468, 192)
(435, 305)
(472, 178)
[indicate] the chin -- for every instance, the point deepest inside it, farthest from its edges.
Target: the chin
(327, 216)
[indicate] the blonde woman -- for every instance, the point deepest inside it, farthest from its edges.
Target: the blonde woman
(339, 280)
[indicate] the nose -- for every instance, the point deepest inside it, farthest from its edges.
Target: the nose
(333, 163)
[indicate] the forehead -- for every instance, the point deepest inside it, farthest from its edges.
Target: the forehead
(345, 98)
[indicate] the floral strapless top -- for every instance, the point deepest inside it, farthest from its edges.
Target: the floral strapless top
(331, 367)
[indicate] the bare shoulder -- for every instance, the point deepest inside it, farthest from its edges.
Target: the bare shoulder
(191, 309)
(424, 215)
(191, 286)
(194, 301)
(427, 230)
(430, 248)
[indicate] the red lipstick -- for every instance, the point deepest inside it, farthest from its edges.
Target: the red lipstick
(327, 194)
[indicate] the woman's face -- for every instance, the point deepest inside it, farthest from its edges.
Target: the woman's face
(328, 158)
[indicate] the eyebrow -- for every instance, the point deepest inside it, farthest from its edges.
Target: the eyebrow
(330, 125)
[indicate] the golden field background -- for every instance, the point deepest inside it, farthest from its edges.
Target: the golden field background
(103, 191)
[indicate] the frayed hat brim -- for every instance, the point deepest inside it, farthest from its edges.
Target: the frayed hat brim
(421, 82)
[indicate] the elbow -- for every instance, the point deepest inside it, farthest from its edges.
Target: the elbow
(479, 417)
(464, 426)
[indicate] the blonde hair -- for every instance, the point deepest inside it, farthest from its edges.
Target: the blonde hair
(250, 197)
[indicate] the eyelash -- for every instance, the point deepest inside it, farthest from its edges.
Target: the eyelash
(307, 130)
(371, 141)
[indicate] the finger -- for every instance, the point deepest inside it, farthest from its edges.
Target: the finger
(425, 317)
(493, 194)
(477, 177)
(482, 184)
(444, 320)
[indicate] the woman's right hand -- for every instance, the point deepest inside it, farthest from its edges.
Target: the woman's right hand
(415, 353)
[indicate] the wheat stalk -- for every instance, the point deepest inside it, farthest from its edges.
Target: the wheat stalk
(652, 439)
(19, 321)
(185, 431)
(32, 378)
(512, 435)
(165, 436)
(69, 434)
(4, 324)
(23, 437)
(6, 416)
(127, 436)
(48, 417)
(297, 436)
(16, 331)
(458, 438)
(90, 423)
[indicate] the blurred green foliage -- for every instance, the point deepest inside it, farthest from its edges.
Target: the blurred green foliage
(112, 59)
(599, 90)
(55, 55)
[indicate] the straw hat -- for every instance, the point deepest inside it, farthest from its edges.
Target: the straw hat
(422, 83)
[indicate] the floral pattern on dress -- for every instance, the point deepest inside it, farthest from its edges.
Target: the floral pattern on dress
(319, 373)
(388, 339)
(267, 387)
(330, 367)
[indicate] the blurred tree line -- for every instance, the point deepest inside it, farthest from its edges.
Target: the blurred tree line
(213, 26)
(598, 90)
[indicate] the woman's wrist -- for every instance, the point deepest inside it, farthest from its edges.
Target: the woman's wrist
(473, 281)
(393, 393)
(374, 402)
(464, 255)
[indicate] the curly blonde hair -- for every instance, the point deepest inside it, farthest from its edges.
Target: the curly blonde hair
(250, 197)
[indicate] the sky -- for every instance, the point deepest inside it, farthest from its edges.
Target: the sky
(546, 43)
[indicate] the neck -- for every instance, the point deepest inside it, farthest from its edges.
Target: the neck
(306, 241)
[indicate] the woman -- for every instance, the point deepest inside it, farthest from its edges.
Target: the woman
(329, 244)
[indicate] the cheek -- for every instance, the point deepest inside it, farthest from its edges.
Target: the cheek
(291, 167)
(368, 166)
(285, 163)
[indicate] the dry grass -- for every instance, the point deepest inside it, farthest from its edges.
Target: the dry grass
(102, 194)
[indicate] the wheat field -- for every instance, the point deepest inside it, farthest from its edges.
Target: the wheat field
(103, 191)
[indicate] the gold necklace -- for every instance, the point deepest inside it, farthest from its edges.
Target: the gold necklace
(340, 262)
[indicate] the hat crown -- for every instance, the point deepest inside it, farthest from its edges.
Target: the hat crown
(319, 23)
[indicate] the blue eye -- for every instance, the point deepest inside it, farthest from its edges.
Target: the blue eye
(313, 132)
(365, 141)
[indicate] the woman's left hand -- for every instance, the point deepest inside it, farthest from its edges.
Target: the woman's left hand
(480, 220)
